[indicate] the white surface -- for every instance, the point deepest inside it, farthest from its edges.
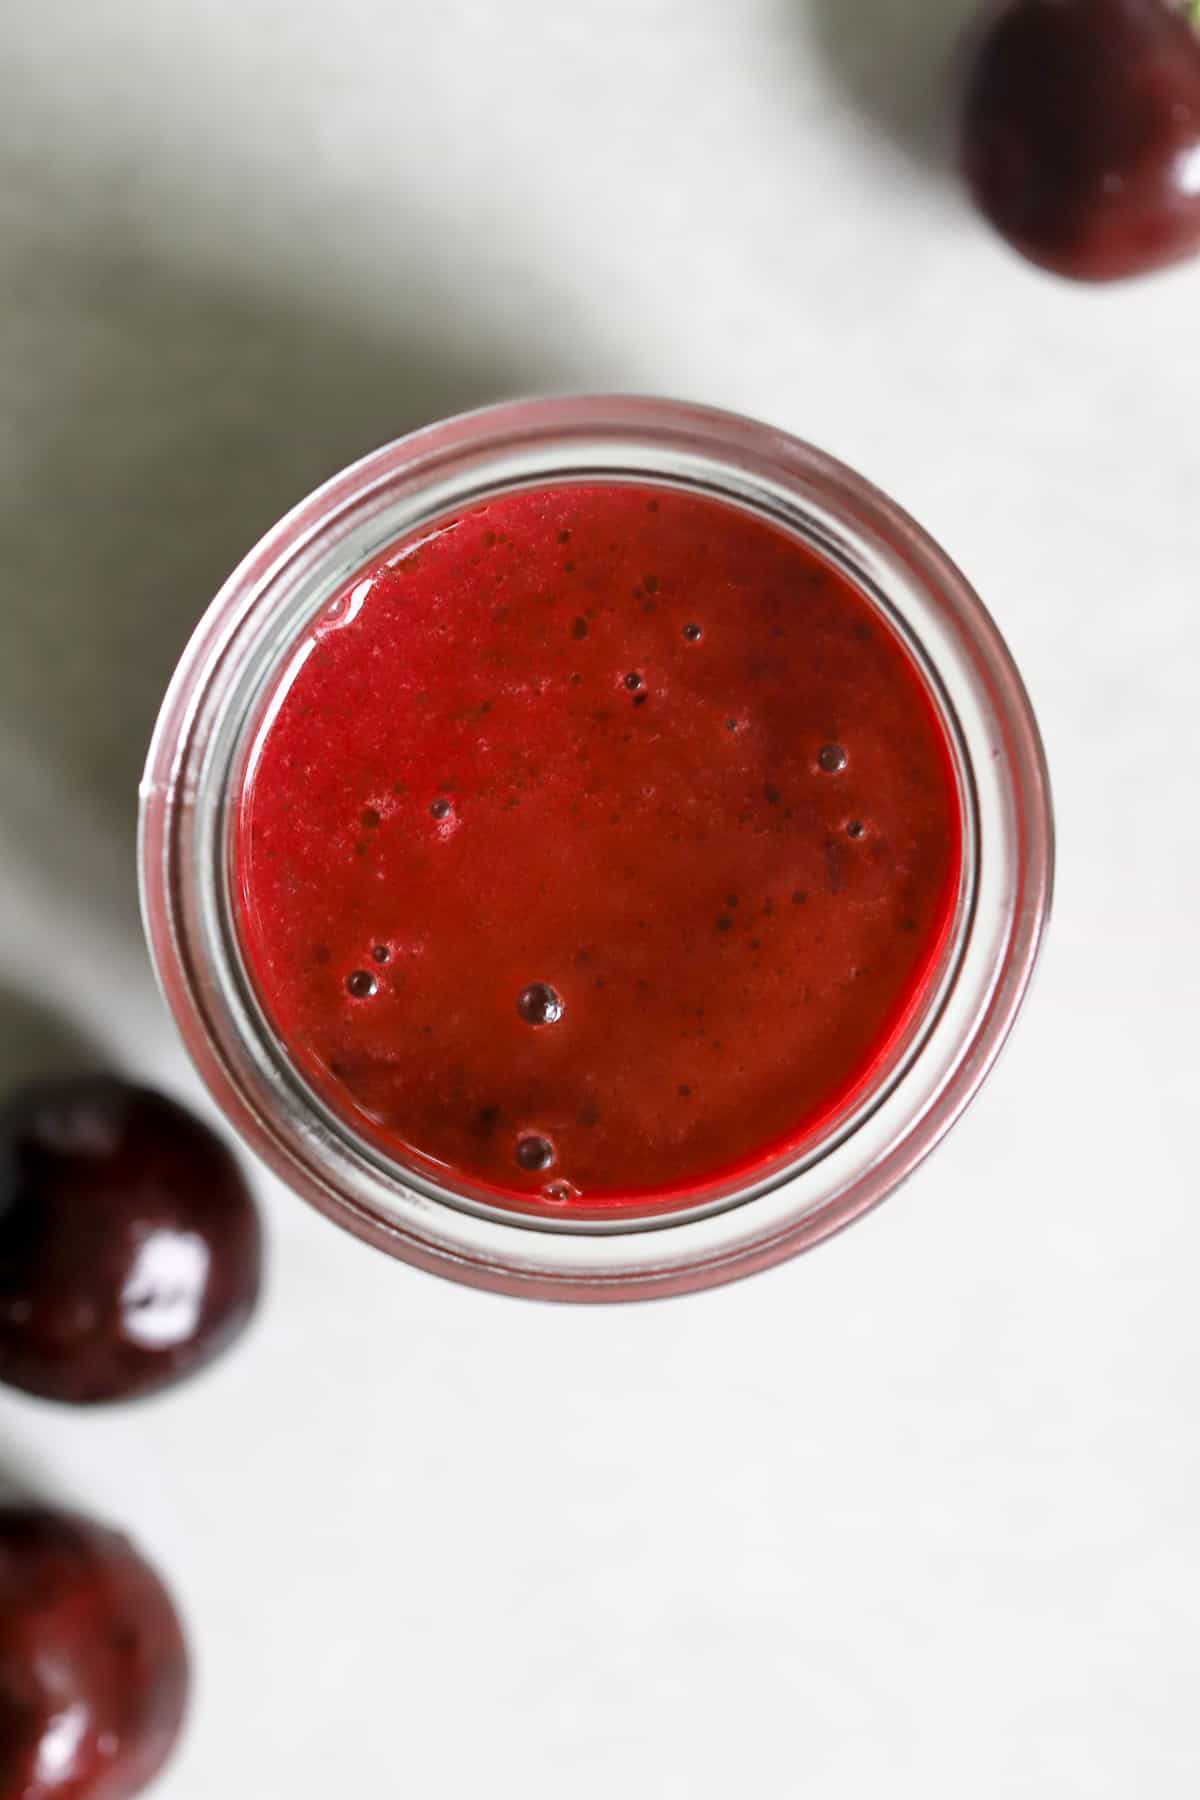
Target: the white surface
(916, 1515)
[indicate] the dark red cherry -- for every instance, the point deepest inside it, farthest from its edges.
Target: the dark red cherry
(93, 1665)
(1080, 132)
(130, 1247)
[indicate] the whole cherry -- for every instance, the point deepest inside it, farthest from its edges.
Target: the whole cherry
(1080, 132)
(130, 1248)
(93, 1665)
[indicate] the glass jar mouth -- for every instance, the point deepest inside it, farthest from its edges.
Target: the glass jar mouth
(200, 747)
(335, 607)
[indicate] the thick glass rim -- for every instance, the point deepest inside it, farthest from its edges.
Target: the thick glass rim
(201, 742)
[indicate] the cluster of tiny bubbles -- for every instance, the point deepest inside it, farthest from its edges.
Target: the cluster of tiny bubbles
(361, 984)
(832, 759)
(534, 1153)
(540, 1004)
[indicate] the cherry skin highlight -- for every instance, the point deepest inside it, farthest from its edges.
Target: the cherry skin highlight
(641, 824)
(1080, 133)
(130, 1247)
(93, 1665)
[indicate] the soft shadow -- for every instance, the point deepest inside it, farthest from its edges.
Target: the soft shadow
(35, 1042)
(165, 417)
(21, 1481)
(895, 60)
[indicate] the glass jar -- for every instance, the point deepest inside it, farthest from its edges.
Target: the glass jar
(200, 746)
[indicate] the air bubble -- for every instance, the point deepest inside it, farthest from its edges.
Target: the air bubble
(534, 1153)
(540, 1004)
(560, 1192)
(381, 954)
(440, 809)
(693, 633)
(856, 828)
(633, 681)
(361, 984)
(832, 759)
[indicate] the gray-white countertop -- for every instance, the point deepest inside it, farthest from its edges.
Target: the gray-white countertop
(918, 1514)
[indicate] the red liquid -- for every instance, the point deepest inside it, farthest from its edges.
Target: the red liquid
(637, 747)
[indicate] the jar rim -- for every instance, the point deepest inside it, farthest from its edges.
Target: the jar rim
(312, 554)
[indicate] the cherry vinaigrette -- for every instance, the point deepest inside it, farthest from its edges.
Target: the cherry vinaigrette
(595, 848)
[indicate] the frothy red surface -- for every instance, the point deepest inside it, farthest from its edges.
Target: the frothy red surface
(575, 739)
